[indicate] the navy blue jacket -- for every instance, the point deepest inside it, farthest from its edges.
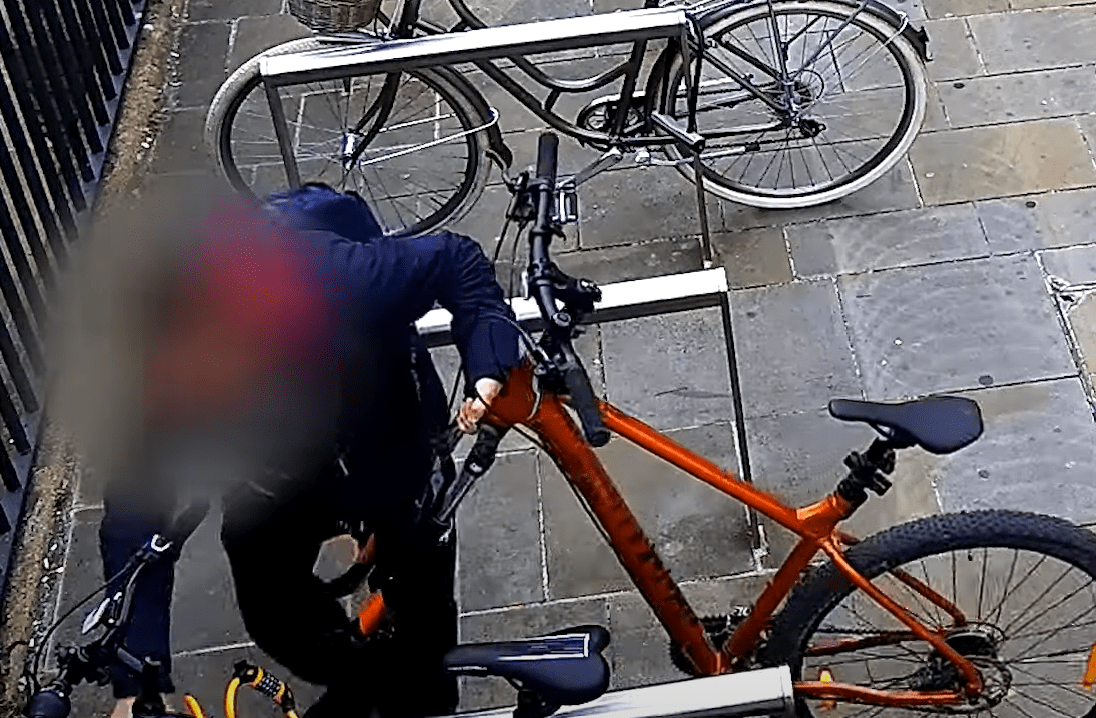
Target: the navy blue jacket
(386, 284)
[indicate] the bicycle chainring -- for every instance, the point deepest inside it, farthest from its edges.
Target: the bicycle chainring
(718, 628)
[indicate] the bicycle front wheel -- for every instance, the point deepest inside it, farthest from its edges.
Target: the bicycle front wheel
(408, 144)
(835, 98)
(1025, 584)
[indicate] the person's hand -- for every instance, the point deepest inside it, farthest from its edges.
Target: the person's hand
(473, 410)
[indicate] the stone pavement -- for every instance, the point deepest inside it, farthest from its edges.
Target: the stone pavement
(967, 269)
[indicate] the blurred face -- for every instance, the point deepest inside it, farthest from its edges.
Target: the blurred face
(206, 365)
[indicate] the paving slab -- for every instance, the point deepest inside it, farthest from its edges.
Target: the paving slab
(1039, 221)
(793, 351)
(1016, 41)
(180, 147)
(637, 261)
(231, 9)
(204, 45)
(1022, 96)
(798, 458)
(893, 191)
(1038, 453)
(1087, 124)
(883, 241)
(1072, 265)
(508, 12)
(946, 8)
(523, 622)
(753, 257)
(698, 532)
(205, 675)
(204, 608)
(499, 538)
(669, 370)
(977, 163)
(1080, 313)
(953, 326)
(954, 53)
(255, 34)
(657, 202)
(641, 654)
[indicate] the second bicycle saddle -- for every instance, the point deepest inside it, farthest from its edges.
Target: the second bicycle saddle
(938, 424)
(564, 668)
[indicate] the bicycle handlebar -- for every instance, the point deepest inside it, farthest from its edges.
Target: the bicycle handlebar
(547, 157)
(542, 275)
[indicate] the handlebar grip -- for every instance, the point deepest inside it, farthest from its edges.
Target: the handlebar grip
(585, 405)
(48, 703)
(547, 156)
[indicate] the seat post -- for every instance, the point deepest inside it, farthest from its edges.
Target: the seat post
(531, 705)
(868, 472)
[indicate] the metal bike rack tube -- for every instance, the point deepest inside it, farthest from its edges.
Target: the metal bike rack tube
(764, 692)
(619, 300)
(337, 62)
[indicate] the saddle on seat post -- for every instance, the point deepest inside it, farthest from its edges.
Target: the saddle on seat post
(563, 668)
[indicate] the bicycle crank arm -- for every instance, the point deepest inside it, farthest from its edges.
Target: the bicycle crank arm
(587, 173)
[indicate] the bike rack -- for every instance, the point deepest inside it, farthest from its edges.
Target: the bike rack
(572, 33)
(343, 60)
(764, 692)
(631, 300)
(620, 300)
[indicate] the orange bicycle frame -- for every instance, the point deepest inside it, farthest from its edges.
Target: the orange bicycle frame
(545, 414)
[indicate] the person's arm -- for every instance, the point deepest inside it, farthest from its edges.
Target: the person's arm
(399, 280)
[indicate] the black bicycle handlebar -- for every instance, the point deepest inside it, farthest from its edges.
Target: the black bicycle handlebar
(547, 157)
(542, 280)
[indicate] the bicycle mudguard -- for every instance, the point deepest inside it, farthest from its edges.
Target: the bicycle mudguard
(496, 146)
(916, 35)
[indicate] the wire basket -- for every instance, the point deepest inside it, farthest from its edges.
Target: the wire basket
(334, 15)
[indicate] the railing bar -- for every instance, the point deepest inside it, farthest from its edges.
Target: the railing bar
(34, 82)
(79, 57)
(126, 8)
(73, 110)
(107, 37)
(33, 174)
(30, 229)
(117, 25)
(94, 46)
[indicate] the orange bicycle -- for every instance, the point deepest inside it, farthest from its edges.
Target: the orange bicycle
(988, 613)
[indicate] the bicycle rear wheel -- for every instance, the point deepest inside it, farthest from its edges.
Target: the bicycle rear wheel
(858, 84)
(422, 163)
(1026, 584)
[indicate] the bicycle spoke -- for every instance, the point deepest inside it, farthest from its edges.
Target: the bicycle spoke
(1011, 702)
(993, 615)
(1008, 629)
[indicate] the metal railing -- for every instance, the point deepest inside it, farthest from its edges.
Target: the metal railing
(62, 66)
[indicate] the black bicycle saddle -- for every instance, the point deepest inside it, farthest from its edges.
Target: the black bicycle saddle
(938, 424)
(563, 668)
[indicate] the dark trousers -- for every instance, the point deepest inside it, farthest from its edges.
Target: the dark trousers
(272, 541)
